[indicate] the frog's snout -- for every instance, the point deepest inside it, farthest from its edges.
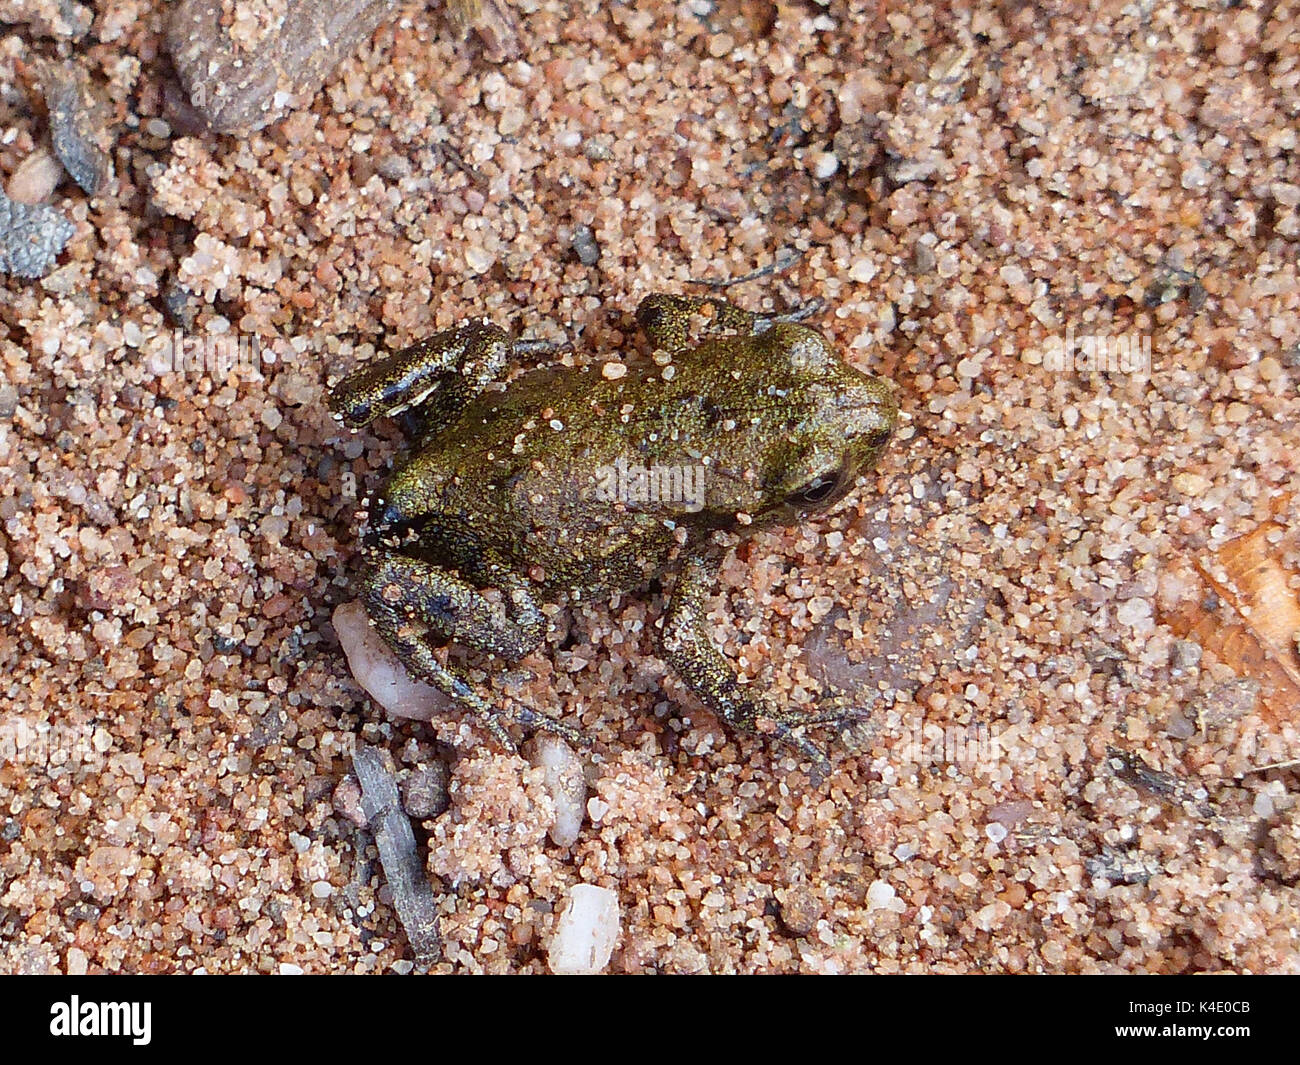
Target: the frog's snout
(872, 412)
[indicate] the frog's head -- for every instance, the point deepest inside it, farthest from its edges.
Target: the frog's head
(831, 424)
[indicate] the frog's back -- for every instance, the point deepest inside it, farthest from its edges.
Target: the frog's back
(527, 471)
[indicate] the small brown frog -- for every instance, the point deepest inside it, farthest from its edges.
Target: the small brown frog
(573, 483)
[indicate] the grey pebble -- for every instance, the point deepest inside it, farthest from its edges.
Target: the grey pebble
(31, 237)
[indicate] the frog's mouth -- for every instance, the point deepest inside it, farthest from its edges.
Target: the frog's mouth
(387, 524)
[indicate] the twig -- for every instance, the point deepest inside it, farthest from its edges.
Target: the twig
(412, 896)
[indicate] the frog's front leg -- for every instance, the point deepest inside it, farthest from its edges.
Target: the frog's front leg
(666, 320)
(458, 362)
(409, 600)
(688, 649)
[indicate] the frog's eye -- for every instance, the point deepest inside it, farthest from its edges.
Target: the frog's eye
(878, 437)
(819, 489)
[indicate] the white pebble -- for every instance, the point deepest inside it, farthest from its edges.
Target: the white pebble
(879, 895)
(996, 832)
(379, 671)
(35, 178)
(862, 271)
(823, 165)
(564, 782)
(585, 933)
(1133, 612)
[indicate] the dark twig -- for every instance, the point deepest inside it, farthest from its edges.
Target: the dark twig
(412, 896)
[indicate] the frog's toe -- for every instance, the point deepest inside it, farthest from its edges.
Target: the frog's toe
(837, 707)
(535, 719)
(821, 765)
(490, 716)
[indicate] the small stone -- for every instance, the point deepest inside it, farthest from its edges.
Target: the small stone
(478, 259)
(378, 670)
(424, 791)
(393, 167)
(243, 85)
(585, 246)
(800, 909)
(598, 149)
(1191, 484)
(1228, 702)
(35, 178)
(879, 895)
(1282, 857)
(862, 271)
(347, 801)
(585, 932)
(31, 237)
(823, 165)
(1184, 655)
(1133, 612)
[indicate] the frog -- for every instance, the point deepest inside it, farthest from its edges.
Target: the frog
(511, 496)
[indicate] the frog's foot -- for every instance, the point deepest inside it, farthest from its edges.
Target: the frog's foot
(438, 372)
(492, 717)
(834, 708)
(762, 323)
(792, 736)
(666, 320)
(528, 718)
(687, 648)
(409, 599)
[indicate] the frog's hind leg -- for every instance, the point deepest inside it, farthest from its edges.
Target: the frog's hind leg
(409, 600)
(666, 320)
(456, 364)
(689, 650)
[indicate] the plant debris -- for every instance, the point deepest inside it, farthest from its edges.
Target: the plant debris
(75, 130)
(246, 71)
(412, 896)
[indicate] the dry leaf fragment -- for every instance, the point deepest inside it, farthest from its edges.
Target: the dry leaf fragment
(395, 840)
(1258, 637)
(245, 63)
(75, 131)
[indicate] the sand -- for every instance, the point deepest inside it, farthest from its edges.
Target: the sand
(1068, 597)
